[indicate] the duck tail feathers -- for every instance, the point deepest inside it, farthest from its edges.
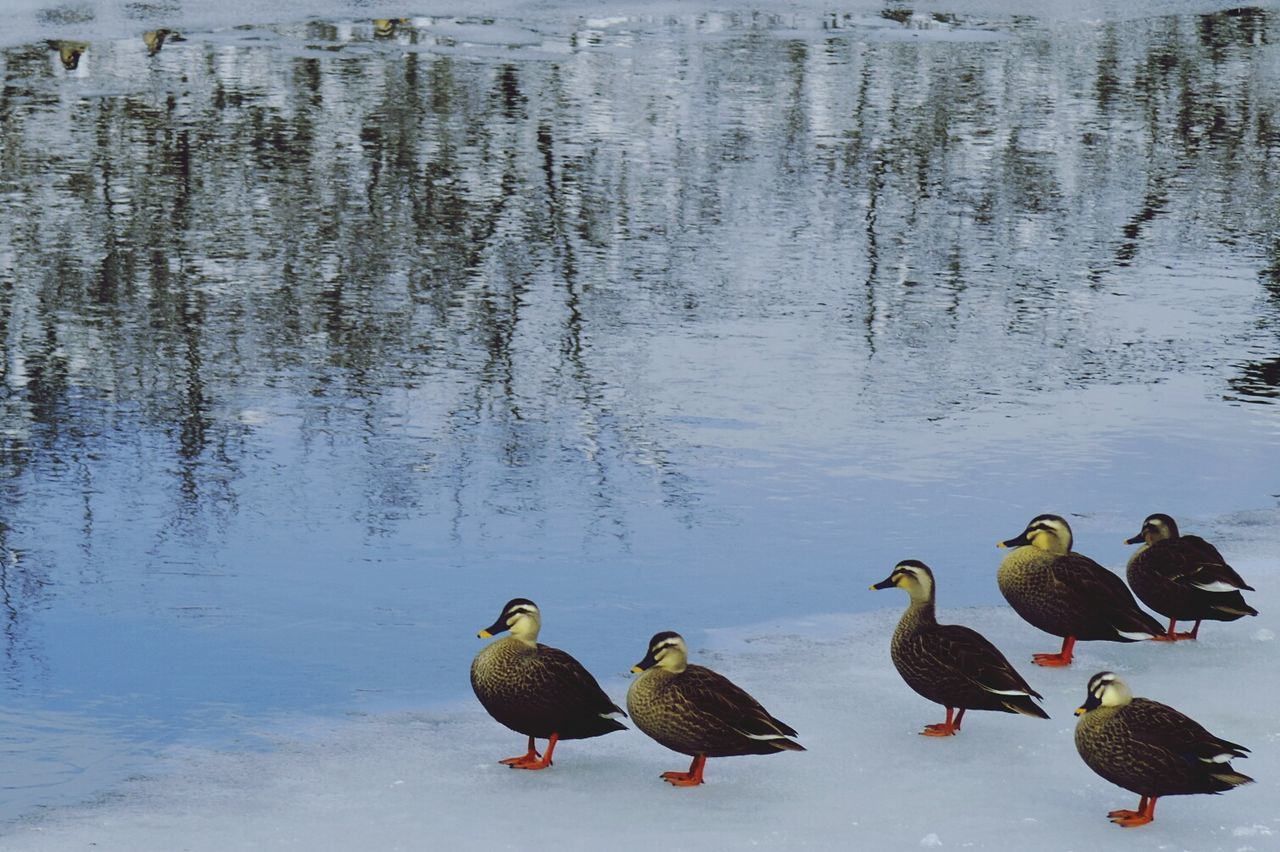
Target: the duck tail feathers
(787, 745)
(1231, 778)
(1025, 707)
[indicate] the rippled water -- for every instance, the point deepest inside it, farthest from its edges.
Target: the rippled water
(322, 341)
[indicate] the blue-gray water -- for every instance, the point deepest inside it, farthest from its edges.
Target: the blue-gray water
(318, 346)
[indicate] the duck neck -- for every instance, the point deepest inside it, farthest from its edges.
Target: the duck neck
(525, 631)
(920, 612)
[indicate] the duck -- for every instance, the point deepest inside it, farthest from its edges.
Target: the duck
(695, 711)
(1184, 577)
(951, 664)
(1068, 594)
(386, 27)
(69, 52)
(536, 690)
(154, 40)
(1150, 749)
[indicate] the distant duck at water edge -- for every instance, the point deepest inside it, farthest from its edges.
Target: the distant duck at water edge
(1184, 577)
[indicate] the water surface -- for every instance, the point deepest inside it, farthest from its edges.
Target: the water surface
(321, 340)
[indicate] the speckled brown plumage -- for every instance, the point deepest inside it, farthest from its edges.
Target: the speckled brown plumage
(1168, 574)
(698, 711)
(1150, 748)
(1069, 594)
(950, 664)
(1153, 750)
(693, 710)
(538, 690)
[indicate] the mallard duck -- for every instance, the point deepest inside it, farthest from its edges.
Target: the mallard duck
(1184, 577)
(693, 710)
(1067, 594)
(949, 663)
(536, 690)
(1150, 749)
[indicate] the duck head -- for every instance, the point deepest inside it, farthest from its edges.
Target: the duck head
(521, 617)
(1157, 527)
(913, 576)
(666, 651)
(1050, 533)
(1105, 690)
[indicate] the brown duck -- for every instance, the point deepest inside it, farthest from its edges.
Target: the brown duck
(1150, 749)
(536, 690)
(1184, 577)
(693, 710)
(949, 663)
(1068, 594)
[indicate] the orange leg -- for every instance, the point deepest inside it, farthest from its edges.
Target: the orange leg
(1172, 635)
(692, 778)
(1063, 658)
(1195, 631)
(531, 759)
(1145, 813)
(948, 728)
(1168, 635)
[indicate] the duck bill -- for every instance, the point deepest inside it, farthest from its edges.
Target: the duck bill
(647, 663)
(1093, 702)
(886, 583)
(1017, 541)
(1137, 539)
(493, 629)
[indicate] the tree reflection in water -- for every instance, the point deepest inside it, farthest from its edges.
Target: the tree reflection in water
(445, 291)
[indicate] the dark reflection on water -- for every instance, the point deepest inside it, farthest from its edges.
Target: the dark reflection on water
(320, 341)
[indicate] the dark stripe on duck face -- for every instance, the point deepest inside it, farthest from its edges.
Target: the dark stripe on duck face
(1036, 525)
(908, 569)
(1097, 686)
(1092, 702)
(888, 582)
(660, 641)
(1155, 528)
(514, 607)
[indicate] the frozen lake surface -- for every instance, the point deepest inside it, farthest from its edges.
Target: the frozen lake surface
(323, 339)
(410, 781)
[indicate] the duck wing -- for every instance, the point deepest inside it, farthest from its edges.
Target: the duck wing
(715, 695)
(1195, 562)
(968, 652)
(1160, 726)
(559, 679)
(1100, 596)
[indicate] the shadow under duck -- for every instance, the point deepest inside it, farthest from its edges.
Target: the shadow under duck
(1184, 577)
(951, 664)
(1066, 593)
(537, 690)
(695, 711)
(1150, 749)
